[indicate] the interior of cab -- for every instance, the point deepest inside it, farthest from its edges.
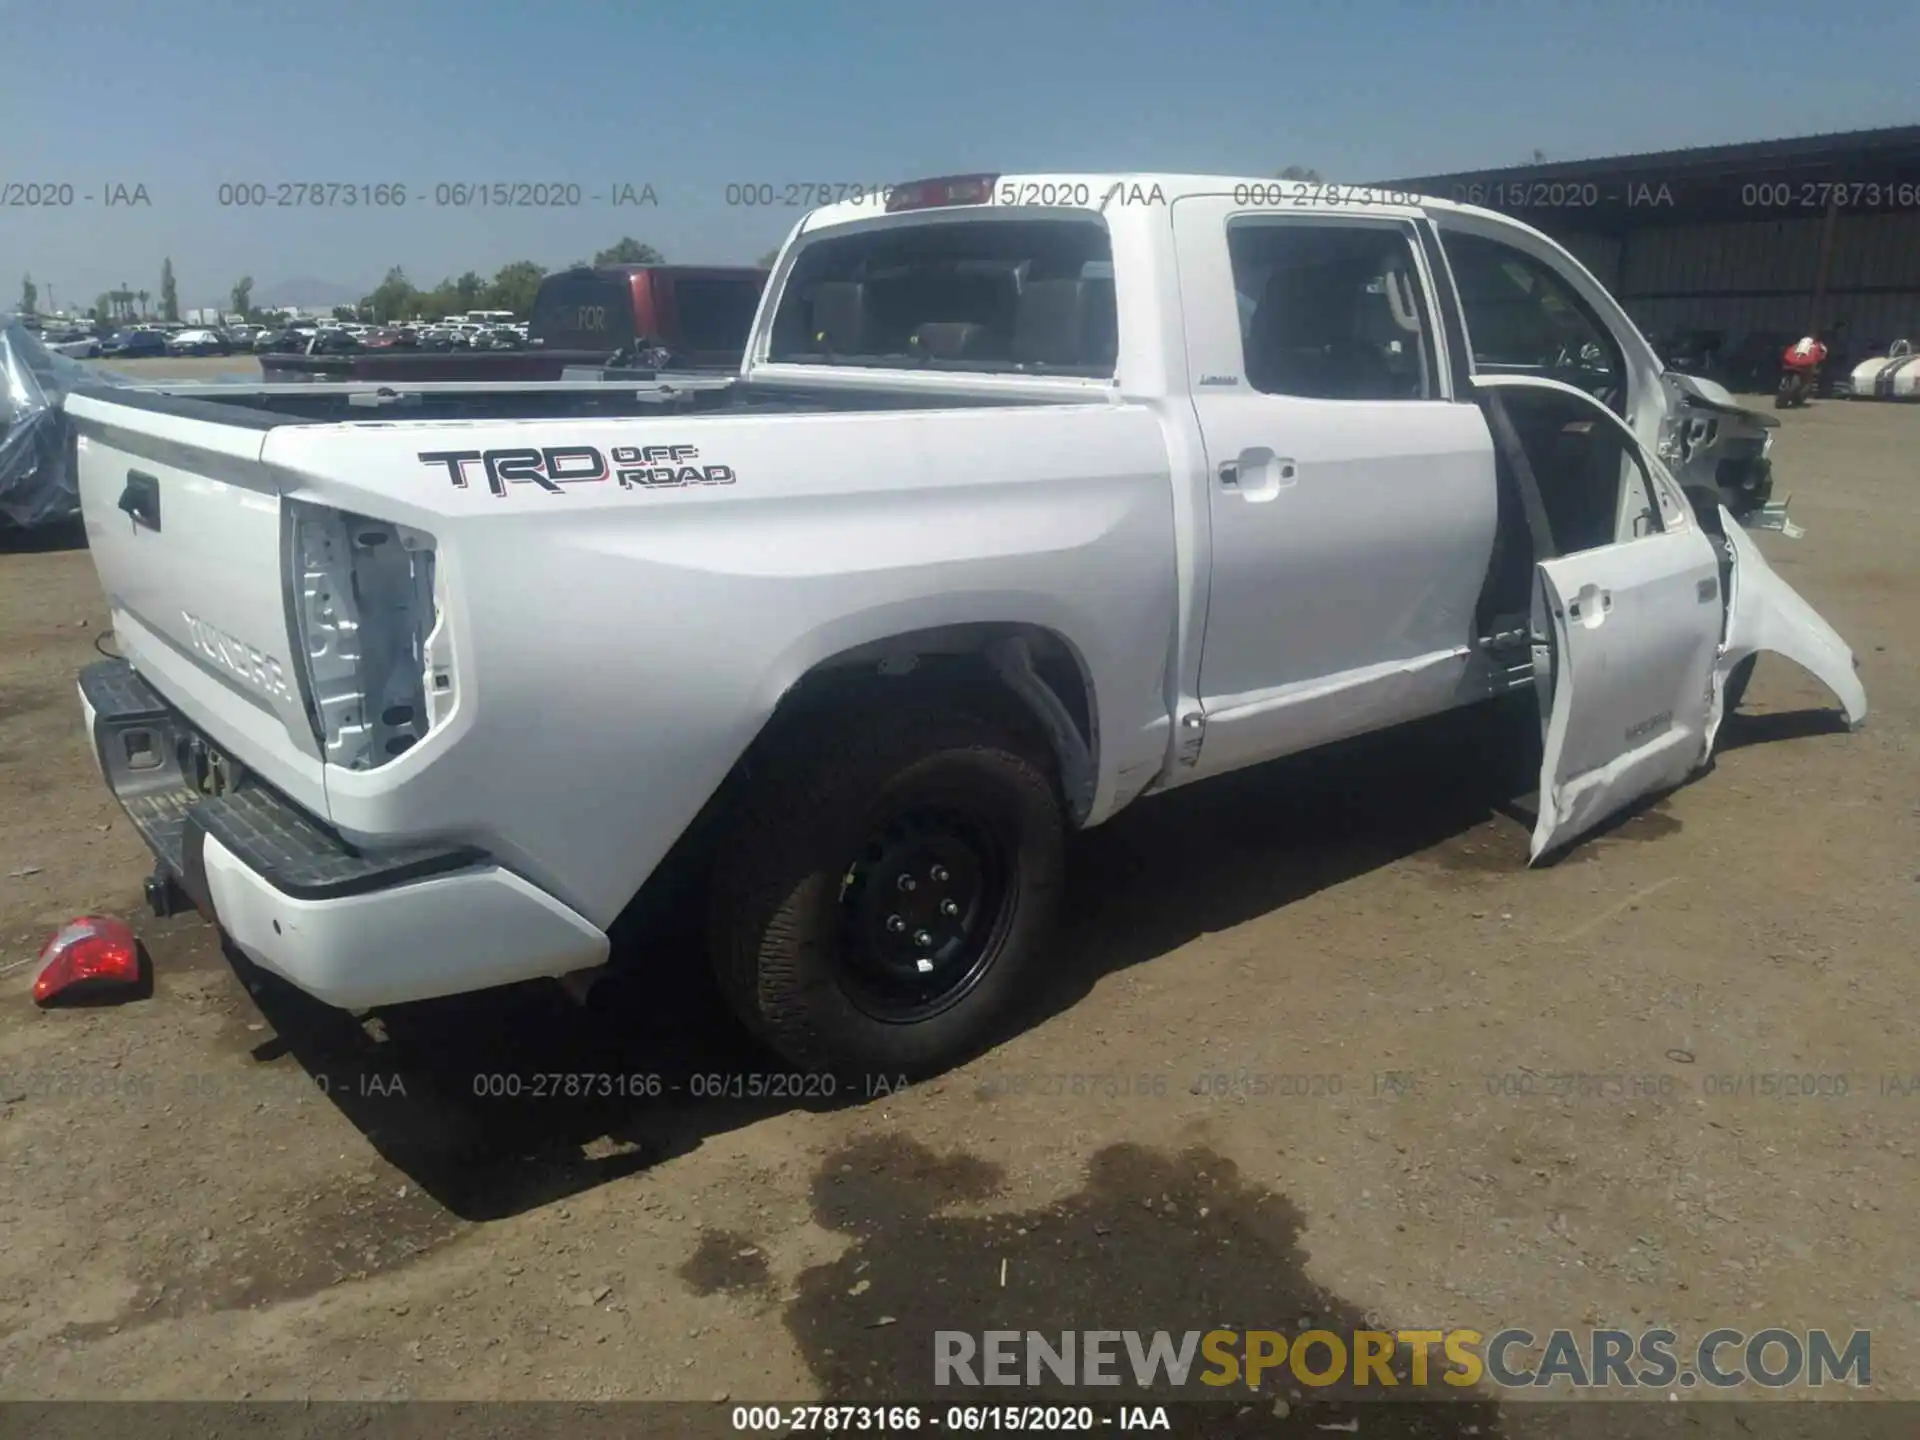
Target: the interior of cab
(1588, 485)
(1523, 319)
(1331, 312)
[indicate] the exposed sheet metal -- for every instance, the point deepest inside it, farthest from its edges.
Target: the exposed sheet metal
(1766, 613)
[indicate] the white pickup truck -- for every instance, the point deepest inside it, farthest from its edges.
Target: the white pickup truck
(1034, 496)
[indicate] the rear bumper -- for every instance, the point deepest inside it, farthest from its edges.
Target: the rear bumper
(352, 927)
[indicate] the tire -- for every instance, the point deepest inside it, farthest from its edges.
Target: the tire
(811, 875)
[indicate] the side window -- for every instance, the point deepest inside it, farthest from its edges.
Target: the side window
(1523, 319)
(1332, 311)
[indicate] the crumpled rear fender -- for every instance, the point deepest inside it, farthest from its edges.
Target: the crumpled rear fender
(1766, 613)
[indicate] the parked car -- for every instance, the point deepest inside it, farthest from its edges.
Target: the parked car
(198, 342)
(276, 340)
(76, 344)
(1006, 521)
(134, 344)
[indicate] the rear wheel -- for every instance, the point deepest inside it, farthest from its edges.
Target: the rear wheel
(886, 885)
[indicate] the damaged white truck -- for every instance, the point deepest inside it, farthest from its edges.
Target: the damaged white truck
(1034, 496)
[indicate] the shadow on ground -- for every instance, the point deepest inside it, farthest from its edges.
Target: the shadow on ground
(66, 535)
(501, 1101)
(1742, 729)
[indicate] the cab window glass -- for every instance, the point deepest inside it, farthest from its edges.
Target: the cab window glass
(1523, 319)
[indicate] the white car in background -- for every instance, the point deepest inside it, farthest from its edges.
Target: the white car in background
(1892, 376)
(198, 342)
(78, 345)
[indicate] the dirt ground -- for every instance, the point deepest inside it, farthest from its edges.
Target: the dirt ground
(223, 1191)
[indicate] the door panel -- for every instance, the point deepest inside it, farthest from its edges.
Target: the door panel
(1352, 502)
(1634, 629)
(1363, 541)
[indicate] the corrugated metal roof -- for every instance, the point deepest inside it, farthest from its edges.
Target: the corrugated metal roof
(1698, 160)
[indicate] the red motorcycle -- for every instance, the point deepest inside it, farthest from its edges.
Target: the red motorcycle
(1799, 372)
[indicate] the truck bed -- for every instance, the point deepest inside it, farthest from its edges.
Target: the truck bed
(263, 407)
(408, 366)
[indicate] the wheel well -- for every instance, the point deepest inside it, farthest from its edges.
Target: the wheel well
(1033, 671)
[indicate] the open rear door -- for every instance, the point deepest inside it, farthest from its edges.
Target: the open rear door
(1625, 634)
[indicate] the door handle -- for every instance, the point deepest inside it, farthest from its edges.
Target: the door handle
(141, 499)
(1258, 474)
(1591, 607)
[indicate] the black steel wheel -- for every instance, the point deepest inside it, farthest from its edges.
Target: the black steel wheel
(888, 880)
(923, 908)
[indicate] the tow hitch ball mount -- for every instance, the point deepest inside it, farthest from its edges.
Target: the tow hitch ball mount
(164, 895)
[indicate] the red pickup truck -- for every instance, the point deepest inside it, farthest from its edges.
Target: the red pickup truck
(698, 315)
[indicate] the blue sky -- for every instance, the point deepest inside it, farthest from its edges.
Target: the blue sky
(692, 95)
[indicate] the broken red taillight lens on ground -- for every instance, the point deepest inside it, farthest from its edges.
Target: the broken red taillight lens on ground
(86, 956)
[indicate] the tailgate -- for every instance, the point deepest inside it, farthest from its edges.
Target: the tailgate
(184, 523)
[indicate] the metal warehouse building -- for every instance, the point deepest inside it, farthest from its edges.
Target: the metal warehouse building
(1753, 242)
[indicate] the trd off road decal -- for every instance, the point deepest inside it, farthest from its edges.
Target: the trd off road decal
(634, 467)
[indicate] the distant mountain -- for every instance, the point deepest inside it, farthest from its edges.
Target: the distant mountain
(307, 292)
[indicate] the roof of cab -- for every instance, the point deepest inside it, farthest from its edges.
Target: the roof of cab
(1102, 193)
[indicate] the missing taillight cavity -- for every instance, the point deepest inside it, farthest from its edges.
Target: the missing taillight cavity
(368, 615)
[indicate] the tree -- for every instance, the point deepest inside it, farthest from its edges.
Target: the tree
(1539, 157)
(468, 288)
(765, 262)
(1294, 172)
(103, 308)
(391, 298)
(29, 296)
(169, 293)
(242, 295)
(346, 312)
(629, 251)
(145, 295)
(515, 286)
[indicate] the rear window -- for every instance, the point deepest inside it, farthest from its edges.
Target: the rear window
(584, 310)
(1006, 296)
(715, 313)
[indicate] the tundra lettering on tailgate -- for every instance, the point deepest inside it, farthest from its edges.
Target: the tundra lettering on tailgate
(261, 671)
(643, 467)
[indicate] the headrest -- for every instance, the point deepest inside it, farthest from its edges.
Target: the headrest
(948, 339)
(839, 318)
(1065, 322)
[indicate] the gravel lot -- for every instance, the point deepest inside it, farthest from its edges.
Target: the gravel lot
(223, 1192)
